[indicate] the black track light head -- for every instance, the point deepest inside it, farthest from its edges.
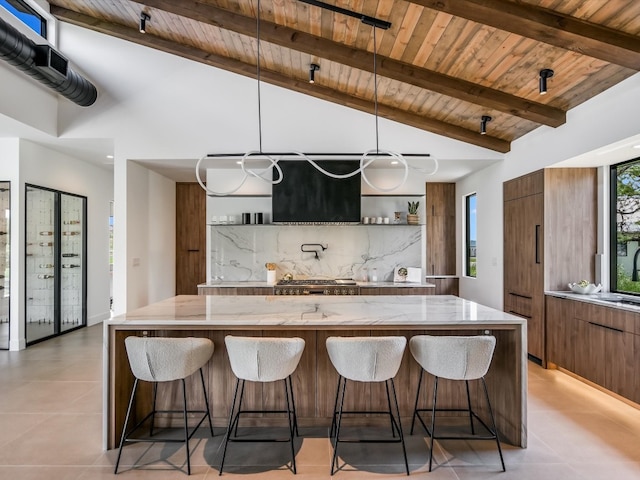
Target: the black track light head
(483, 124)
(312, 72)
(544, 74)
(144, 17)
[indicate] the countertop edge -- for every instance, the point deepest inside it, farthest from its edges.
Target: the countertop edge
(359, 284)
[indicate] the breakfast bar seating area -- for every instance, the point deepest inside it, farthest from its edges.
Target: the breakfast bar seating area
(314, 320)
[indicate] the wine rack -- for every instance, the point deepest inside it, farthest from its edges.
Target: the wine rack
(55, 261)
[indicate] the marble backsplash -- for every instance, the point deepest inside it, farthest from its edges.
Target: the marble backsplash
(239, 252)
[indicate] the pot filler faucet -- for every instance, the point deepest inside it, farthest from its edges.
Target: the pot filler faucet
(313, 250)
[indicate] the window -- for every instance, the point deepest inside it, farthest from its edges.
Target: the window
(625, 227)
(27, 15)
(470, 235)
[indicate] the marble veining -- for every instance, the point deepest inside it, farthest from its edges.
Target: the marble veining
(239, 253)
(411, 311)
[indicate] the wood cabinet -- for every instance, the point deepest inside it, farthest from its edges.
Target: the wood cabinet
(596, 342)
(191, 255)
(561, 332)
(441, 228)
(445, 285)
(550, 221)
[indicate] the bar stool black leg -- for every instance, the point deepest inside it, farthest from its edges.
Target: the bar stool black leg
(473, 432)
(335, 449)
(229, 426)
(404, 450)
(393, 427)
(415, 407)
(291, 426)
(293, 402)
(237, 422)
(493, 423)
(126, 423)
(206, 402)
(433, 420)
(335, 408)
(186, 426)
(153, 411)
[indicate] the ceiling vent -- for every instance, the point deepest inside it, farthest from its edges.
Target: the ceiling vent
(45, 65)
(50, 62)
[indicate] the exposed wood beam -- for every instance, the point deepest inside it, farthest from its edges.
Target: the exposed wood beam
(546, 26)
(275, 78)
(363, 60)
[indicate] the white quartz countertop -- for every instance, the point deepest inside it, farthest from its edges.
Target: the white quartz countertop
(607, 299)
(312, 311)
(222, 284)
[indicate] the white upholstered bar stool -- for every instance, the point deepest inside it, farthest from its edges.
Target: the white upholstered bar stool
(262, 359)
(455, 358)
(366, 359)
(161, 359)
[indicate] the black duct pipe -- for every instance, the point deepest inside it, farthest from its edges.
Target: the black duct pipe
(45, 65)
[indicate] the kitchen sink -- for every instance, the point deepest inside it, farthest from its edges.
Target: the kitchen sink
(635, 302)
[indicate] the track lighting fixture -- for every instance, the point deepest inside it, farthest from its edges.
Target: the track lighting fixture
(544, 74)
(483, 124)
(312, 72)
(143, 21)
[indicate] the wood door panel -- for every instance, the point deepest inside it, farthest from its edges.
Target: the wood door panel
(621, 371)
(570, 219)
(441, 228)
(527, 185)
(590, 360)
(191, 256)
(523, 245)
(441, 199)
(560, 327)
(523, 266)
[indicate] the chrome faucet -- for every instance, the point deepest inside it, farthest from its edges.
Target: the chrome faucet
(315, 251)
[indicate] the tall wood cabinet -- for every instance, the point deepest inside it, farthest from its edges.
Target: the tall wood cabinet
(550, 228)
(191, 255)
(441, 228)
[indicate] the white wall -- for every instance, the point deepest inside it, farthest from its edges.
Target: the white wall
(149, 231)
(610, 117)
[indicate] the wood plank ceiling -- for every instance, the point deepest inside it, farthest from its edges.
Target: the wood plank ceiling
(441, 66)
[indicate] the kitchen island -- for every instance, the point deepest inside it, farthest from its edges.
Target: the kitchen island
(314, 318)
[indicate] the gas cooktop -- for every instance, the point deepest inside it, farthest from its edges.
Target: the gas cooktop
(316, 282)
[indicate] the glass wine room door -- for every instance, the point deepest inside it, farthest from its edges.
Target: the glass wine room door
(55, 263)
(72, 257)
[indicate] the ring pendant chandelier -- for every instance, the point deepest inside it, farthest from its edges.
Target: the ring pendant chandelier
(366, 159)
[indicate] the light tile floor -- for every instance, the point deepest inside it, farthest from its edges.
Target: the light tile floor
(51, 421)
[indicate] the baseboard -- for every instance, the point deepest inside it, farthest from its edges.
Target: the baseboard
(96, 319)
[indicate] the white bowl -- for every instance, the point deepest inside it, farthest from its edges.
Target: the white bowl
(591, 288)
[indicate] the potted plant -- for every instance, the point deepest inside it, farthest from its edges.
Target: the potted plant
(412, 216)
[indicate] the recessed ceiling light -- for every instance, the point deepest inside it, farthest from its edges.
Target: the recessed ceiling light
(394, 162)
(636, 146)
(110, 157)
(239, 162)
